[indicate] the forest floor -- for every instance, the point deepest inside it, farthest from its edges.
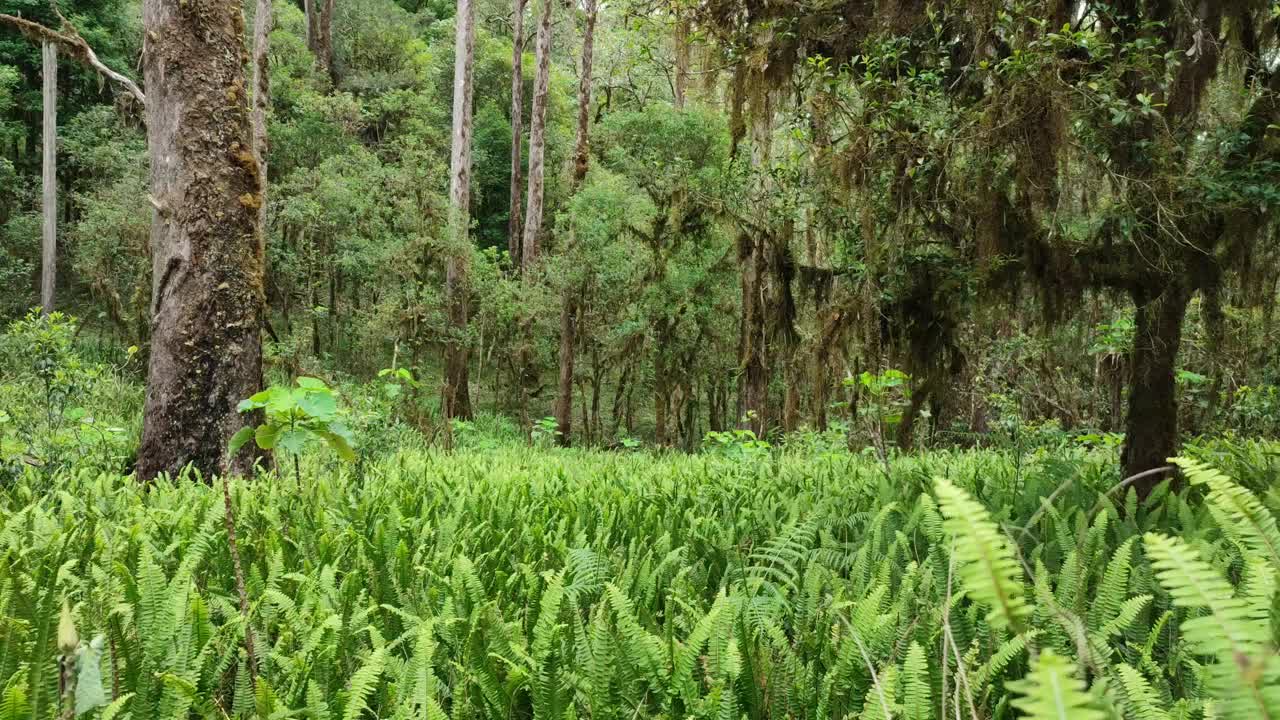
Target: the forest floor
(508, 581)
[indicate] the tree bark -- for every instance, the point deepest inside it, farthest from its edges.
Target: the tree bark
(514, 224)
(751, 254)
(49, 177)
(682, 58)
(569, 303)
(564, 392)
(207, 262)
(538, 141)
(325, 50)
(457, 395)
(1151, 432)
(582, 146)
(262, 23)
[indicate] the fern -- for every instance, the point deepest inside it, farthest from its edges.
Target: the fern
(916, 693)
(1051, 691)
(1139, 699)
(363, 684)
(987, 564)
(1240, 511)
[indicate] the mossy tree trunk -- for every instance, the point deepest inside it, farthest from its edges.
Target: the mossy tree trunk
(206, 250)
(1151, 426)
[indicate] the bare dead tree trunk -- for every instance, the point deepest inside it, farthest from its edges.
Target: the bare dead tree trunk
(207, 262)
(538, 140)
(569, 303)
(49, 177)
(515, 225)
(457, 394)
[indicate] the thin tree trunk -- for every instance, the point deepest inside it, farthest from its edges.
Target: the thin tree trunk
(596, 371)
(538, 141)
(1151, 432)
(49, 197)
(564, 392)
(457, 396)
(751, 253)
(582, 147)
(313, 25)
(207, 262)
(619, 393)
(514, 225)
(569, 303)
(682, 58)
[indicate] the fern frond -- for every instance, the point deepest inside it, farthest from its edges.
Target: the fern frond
(1051, 691)
(1247, 518)
(916, 694)
(1139, 698)
(987, 564)
(363, 683)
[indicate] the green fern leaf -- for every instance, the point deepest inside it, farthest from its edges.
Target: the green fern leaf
(987, 564)
(1051, 691)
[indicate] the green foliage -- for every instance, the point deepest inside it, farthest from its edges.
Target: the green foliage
(1051, 691)
(985, 556)
(294, 417)
(510, 581)
(56, 407)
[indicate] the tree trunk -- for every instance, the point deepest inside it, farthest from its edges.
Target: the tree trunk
(313, 25)
(457, 396)
(49, 197)
(564, 392)
(682, 58)
(661, 399)
(581, 153)
(514, 225)
(262, 23)
(538, 141)
(325, 50)
(569, 303)
(1151, 426)
(206, 248)
(755, 377)
(752, 255)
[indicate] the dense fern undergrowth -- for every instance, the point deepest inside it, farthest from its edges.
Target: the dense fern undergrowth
(526, 583)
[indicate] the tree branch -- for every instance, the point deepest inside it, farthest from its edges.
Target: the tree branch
(74, 47)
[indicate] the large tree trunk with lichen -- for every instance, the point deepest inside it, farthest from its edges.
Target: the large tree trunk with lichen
(262, 23)
(206, 251)
(538, 140)
(457, 395)
(1151, 426)
(569, 303)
